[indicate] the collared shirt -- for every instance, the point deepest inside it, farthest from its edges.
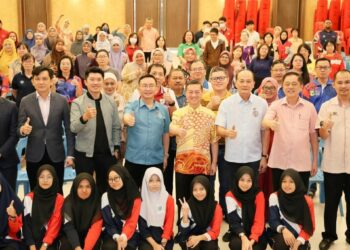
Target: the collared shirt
(336, 155)
(181, 99)
(44, 105)
(315, 93)
(193, 150)
(207, 85)
(246, 118)
(145, 139)
(291, 142)
(148, 40)
(206, 98)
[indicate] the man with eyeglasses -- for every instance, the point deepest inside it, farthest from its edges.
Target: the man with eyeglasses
(212, 100)
(95, 121)
(197, 72)
(334, 129)
(102, 59)
(239, 122)
(147, 124)
(278, 70)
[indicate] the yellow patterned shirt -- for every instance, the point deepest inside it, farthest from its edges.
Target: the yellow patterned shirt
(193, 150)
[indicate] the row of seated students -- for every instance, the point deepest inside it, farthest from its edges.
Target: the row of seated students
(125, 218)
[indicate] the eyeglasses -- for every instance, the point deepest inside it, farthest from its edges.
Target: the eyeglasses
(218, 78)
(267, 88)
(322, 67)
(197, 69)
(114, 179)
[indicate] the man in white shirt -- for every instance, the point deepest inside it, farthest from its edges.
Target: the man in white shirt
(254, 36)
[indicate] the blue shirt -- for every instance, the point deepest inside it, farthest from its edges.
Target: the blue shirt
(145, 139)
(181, 100)
(314, 93)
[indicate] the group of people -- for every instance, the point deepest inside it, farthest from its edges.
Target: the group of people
(126, 116)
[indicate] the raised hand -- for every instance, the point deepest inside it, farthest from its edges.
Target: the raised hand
(90, 113)
(11, 211)
(26, 129)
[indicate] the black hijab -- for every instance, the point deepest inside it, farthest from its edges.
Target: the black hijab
(283, 41)
(43, 202)
(122, 200)
(293, 206)
(7, 195)
(82, 213)
(246, 198)
(202, 211)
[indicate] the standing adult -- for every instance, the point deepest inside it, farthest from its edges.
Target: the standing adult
(254, 36)
(95, 121)
(334, 130)
(41, 115)
(324, 36)
(148, 36)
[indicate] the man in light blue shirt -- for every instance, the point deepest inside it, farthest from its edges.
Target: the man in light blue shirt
(147, 124)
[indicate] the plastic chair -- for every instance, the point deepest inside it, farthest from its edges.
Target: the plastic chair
(22, 177)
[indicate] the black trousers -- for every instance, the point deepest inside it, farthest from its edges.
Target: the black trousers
(109, 244)
(335, 185)
(144, 245)
(32, 169)
(276, 178)
(65, 244)
(147, 56)
(203, 245)
(10, 175)
(137, 171)
(169, 172)
(279, 244)
(236, 243)
(98, 163)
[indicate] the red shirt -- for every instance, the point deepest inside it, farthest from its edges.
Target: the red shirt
(3, 36)
(337, 63)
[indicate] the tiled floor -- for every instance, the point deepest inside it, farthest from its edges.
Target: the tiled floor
(340, 244)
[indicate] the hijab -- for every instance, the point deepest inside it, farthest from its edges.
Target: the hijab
(294, 206)
(7, 57)
(29, 42)
(7, 195)
(43, 201)
(153, 206)
(84, 62)
(283, 41)
(202, 211)
(102, 44)
(228, 67)
(247, 198)
(76, 47)
(274, 83)
(82, 213)
(122, 200)
(116, 59)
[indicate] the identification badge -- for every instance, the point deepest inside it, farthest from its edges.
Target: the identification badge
(255, 112)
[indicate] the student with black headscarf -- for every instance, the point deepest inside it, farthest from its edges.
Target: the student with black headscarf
(291, 214)
(43, 211)
(11, 210)
(200, 217)
(246, 211)
(120, 210)
(82, 224)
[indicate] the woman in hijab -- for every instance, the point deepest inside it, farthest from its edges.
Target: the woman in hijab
(11, 210)
(157, 212)
(39, 50)
(120, 210)
(82, 215)
(102, 41)
(117, 58)
(7, 55)
(131, 73)
(268, 90)
(43, 211)
(77, 45)
(225, 61)
(158, 57)
(284, 47)
(29, 38)
(84, 60)
(246, 212)
(51, 38)
(291, 212)
(200, 217)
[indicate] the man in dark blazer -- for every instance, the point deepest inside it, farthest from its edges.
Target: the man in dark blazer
(8, 141)
(41, 116)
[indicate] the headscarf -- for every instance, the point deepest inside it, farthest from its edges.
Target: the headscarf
(50, 41)
(202, 211)
(77, 45)
(43, 202)
(102, 44)
(247, 199)
(7, 195)
(116, 60)
(285, 40)
(7, 57)
(82, 213)
(29, 42)
(158, 50)
(122, 200)
(274, 83)
(153, 206)
(294, 206)
(228, 66)
(84, 62)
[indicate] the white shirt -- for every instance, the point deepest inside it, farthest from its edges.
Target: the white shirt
(44, 105)
(246, 116)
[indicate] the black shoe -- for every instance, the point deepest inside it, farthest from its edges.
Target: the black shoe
(325, 244)
(227, 236)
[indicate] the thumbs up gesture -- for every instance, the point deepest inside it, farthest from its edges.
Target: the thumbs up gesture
(90, 113)
(26, 129)
(129, 119)
(11, 211)
(274, 124)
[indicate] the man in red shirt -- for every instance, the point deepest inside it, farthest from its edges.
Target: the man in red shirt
(226, 31)
(3, 34)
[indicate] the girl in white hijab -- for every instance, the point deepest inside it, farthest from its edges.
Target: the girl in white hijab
(117, 58)
(157, 212)
(102, 41)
